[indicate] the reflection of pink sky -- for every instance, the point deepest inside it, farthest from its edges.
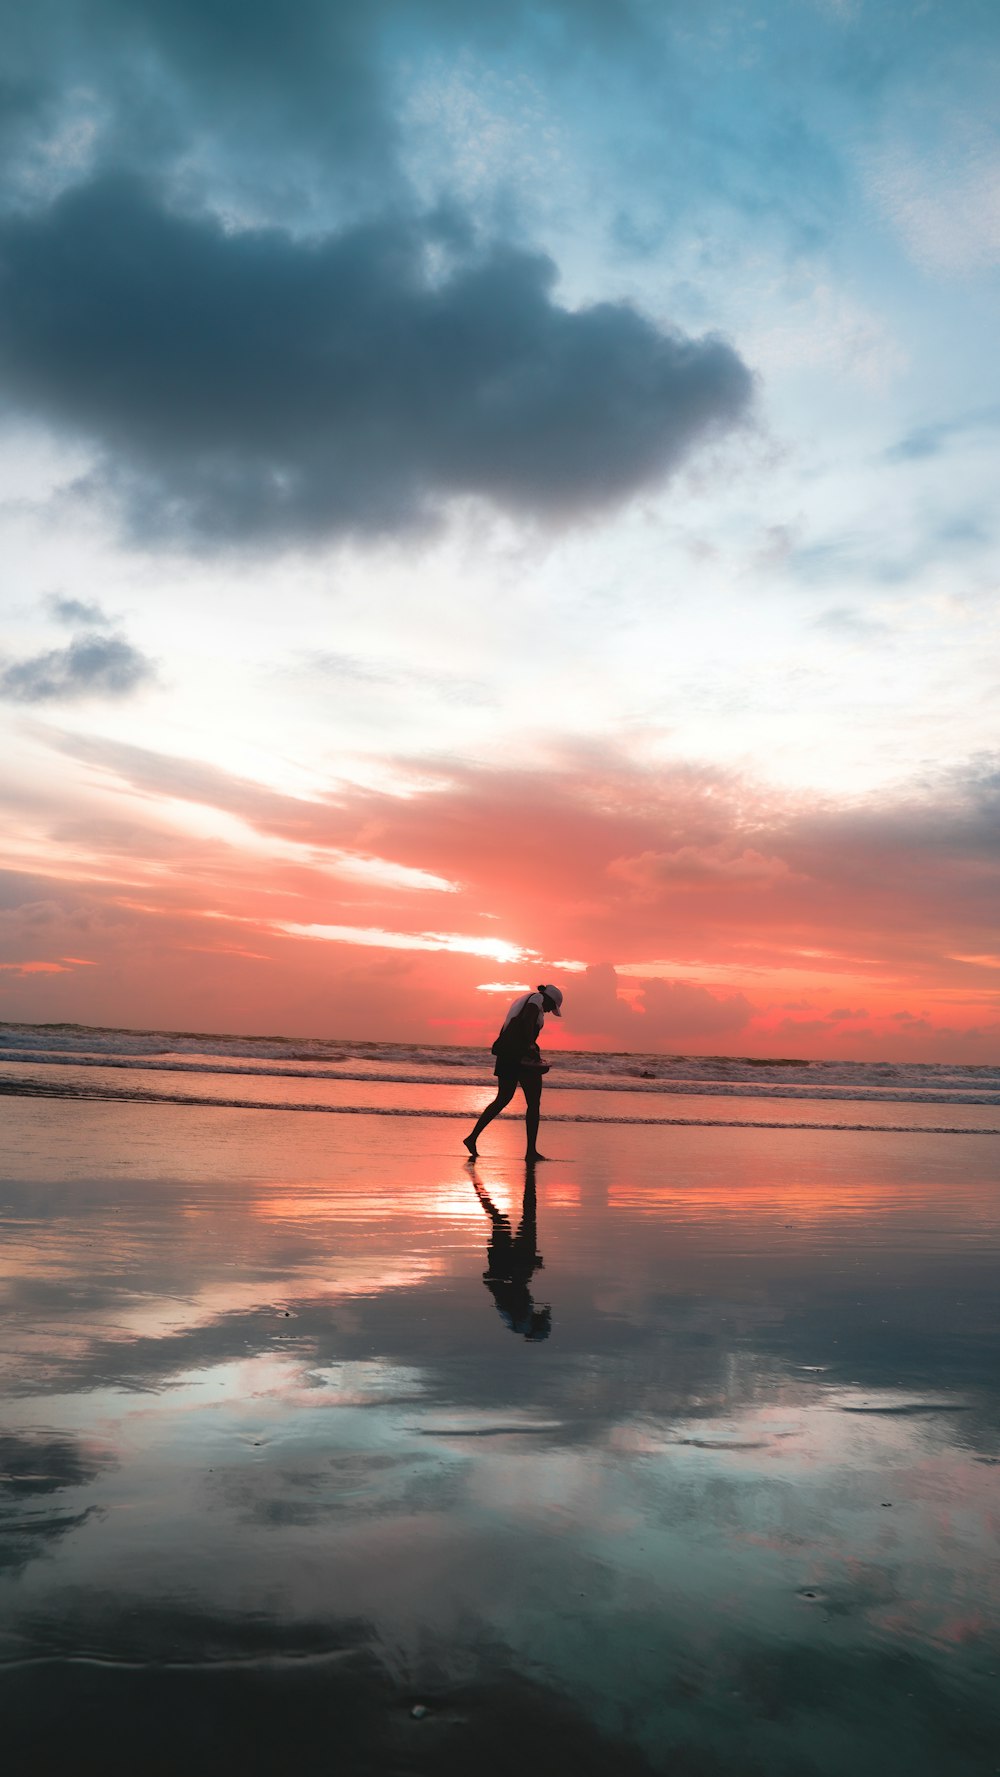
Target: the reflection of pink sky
(292, 1222)
(945, 1177)
(812, 1206)
(738, 920)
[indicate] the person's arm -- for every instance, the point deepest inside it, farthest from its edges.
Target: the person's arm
(530, 1021)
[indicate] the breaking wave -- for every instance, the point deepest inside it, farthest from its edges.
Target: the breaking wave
(81, 1062)
(26, 1087)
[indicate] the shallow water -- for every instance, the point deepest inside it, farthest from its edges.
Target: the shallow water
(770, 1108)
(700, 1476)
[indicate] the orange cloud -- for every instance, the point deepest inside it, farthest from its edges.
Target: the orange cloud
(34, 968)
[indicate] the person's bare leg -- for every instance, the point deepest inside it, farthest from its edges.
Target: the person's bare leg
(492, 1110)
(532, 1112)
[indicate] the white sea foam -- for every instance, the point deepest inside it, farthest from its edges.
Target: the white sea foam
(171, 1052)
(28, 1087)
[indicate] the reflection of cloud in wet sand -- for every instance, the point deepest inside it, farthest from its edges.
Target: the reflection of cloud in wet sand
(342, 1478)
(33, 1467)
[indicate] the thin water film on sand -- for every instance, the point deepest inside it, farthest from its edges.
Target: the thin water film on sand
(323, 1448)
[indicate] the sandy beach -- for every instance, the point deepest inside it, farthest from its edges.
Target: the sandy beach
(312, 1460)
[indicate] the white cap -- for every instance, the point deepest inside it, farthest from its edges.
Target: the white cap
(555, 995)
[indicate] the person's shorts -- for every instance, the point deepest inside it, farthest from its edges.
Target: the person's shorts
(528, 1078)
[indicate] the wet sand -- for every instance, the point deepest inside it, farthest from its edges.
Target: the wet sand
(300, 1438)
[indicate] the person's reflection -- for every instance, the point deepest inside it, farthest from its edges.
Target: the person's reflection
(513, 1260)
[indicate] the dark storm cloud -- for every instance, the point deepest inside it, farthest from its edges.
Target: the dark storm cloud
(266, 74)
(91, 666)
(252, 82)
(251, 384)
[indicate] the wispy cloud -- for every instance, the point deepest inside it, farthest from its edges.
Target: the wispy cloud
(849, 625)
(458, 943)
(931, 439)
(945, 200)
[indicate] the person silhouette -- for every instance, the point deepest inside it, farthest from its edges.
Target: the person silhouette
(519, 1063)
(512, 1260)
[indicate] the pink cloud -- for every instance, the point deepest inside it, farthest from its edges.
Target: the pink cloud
(878, 920)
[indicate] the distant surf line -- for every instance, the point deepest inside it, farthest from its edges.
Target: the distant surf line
(108, 1095)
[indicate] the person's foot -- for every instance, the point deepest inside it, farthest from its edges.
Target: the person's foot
(531, 1158)
(468, 1142)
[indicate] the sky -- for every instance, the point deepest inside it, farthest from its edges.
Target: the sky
(503, 493)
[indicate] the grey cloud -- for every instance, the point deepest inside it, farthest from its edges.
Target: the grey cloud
(33, 1467)
(33, 1464)
(250, 385)
(301, 109)
(19, 890)
(137, 82)
(91, 666)
(81, 611)
(262, 81)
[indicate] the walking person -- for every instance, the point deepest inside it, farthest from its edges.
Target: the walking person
(519, 1063)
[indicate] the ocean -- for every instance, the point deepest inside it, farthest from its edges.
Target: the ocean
(436, 1080)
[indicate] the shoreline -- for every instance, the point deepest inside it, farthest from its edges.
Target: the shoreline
(646, 1084)
(109, 1095)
